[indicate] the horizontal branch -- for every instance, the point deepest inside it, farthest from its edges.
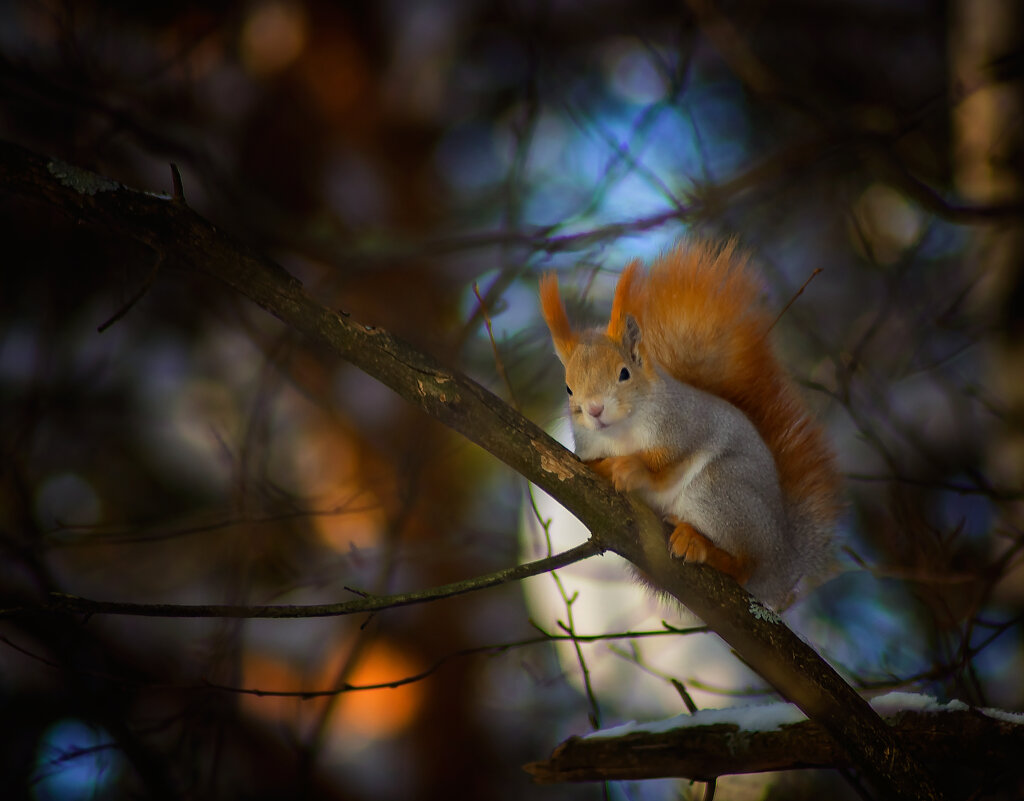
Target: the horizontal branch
(184, 240)
(967, 745)
(493, 649)
(60, 602)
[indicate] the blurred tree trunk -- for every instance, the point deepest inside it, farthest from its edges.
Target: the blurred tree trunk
(987, 76)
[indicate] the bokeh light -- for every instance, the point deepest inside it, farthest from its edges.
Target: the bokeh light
(76, 762)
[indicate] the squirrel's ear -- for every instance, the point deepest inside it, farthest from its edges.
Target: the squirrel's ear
(631, 337)
(625, 300)
(553, 309)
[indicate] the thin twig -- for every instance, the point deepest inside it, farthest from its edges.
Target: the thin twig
(499, 365)
(142, 290)
(569, 627)
(59, 602)
(792, 300)
(494, 649)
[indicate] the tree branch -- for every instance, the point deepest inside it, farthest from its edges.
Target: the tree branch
(187, 241)
(967, 746)
(60, 602)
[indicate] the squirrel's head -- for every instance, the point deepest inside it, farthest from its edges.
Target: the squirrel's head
(604, 372)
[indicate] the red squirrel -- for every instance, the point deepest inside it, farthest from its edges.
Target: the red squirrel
(683, 401)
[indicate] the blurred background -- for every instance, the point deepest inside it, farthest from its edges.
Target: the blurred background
(418, 164)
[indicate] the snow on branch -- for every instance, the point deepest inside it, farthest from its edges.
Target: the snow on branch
(961, 745)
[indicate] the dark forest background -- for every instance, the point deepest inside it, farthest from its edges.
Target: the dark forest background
(419, 164)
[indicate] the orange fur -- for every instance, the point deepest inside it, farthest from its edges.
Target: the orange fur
(553, 310)
(625, 472)
(652, 468)
(656, 459)
(701, 321)
(625, 298)
(687, 543)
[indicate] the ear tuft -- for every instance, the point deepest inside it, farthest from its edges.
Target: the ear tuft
(631, 337)
(551, 306)
(625, 300)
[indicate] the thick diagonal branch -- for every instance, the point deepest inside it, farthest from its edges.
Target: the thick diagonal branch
(186, 241)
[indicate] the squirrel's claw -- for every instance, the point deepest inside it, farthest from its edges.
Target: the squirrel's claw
(687, 543)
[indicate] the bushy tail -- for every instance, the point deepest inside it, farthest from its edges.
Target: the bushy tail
(702, 321)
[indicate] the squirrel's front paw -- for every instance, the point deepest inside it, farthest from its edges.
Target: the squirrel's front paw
(602, 467)
(626, 472)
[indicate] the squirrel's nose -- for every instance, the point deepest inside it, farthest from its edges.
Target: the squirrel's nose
(595, 409)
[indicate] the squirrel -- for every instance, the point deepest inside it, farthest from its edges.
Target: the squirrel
(683, 401)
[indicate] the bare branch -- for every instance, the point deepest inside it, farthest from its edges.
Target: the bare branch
(59, 602)
(493, 649)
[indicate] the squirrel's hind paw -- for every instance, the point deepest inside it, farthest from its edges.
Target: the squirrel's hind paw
(687, 543)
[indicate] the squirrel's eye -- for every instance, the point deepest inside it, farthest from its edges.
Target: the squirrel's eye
(567, 389)
(623, 374)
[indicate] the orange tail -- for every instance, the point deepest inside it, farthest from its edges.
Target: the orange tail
(701, 319)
